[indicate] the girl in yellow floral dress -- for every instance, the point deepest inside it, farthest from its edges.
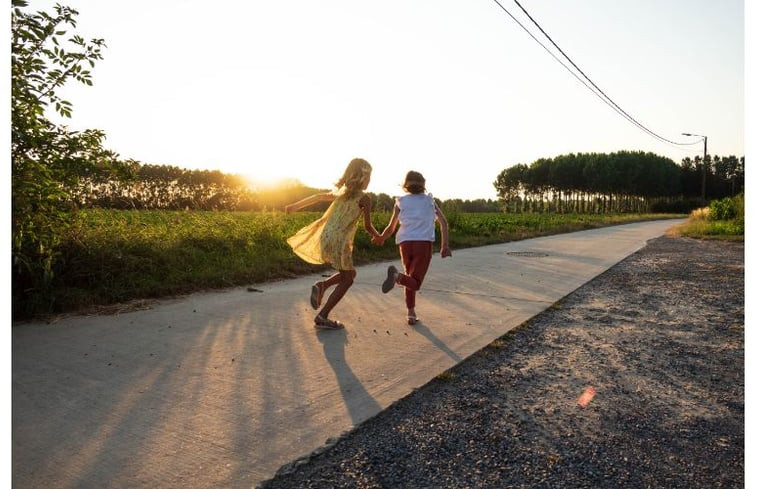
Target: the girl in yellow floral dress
(329, 239)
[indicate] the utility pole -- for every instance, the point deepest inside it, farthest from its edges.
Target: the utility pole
(704, 168)
(704, 162)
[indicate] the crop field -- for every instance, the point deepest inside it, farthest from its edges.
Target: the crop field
(112, 256)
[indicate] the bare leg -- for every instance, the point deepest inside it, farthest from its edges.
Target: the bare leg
(332, 280)
(344, 280)
(320, 287)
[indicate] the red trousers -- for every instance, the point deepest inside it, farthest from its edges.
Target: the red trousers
(416, 257)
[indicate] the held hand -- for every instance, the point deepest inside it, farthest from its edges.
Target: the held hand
(446, 252)
(288, 209)
(378, 240)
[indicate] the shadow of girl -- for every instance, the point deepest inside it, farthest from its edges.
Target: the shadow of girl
(360, 404)
(424, 331)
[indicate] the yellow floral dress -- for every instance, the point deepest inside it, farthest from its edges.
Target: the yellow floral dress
(329, 239)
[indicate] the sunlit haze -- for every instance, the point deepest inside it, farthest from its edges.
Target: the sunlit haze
(454, 89)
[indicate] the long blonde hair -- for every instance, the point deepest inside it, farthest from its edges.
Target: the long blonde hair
(358, 172)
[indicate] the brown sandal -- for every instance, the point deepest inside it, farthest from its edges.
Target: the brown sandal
(326, 323)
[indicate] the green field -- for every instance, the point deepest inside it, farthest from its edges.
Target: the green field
(111, 256)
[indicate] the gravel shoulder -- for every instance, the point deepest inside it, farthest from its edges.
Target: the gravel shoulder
(634, 380)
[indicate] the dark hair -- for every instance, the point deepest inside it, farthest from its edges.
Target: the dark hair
(414, 183)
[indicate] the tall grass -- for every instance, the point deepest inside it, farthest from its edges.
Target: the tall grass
(113, 256)
(722, 219)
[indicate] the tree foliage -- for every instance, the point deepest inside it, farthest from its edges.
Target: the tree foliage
(47, 160)
(724, 176)
(173, 188)
(166, 187)
(625, 181)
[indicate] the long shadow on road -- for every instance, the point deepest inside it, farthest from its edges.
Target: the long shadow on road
(356, 398)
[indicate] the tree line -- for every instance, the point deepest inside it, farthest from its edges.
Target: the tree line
(149, 186)
(624, 181)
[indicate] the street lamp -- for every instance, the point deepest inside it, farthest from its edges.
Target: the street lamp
(704, 161)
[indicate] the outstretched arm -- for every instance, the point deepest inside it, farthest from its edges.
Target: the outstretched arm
(390, 228)
(309, 201)
(444, 227)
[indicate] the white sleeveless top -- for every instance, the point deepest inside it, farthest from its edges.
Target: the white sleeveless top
(417, 217)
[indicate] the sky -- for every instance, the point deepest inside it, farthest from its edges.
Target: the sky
(454, 89)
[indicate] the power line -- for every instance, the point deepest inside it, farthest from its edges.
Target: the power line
(593, 88)
(548, 51)
(640, 125)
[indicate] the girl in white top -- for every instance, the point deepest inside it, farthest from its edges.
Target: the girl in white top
(416, 213)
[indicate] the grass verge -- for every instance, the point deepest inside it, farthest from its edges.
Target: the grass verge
(111, 257)
(712, 223)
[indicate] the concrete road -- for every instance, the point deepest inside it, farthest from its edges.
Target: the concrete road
(220, 389)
